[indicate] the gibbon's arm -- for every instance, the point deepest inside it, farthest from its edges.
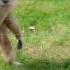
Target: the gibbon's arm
(14, 28)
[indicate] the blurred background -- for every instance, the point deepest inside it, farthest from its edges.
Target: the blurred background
(45, 26)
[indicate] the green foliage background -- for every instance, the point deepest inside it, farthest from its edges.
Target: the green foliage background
(48, 48)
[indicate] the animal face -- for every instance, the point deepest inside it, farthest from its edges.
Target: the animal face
(6, 2)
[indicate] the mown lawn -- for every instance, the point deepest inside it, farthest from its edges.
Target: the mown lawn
(48, 47)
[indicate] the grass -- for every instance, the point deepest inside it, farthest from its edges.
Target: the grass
(48, 48)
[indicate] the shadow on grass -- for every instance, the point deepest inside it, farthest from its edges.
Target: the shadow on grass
(46, 65)
(39, 64)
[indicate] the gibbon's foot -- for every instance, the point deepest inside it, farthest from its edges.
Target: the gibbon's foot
(13, 63)
(19, 44)
(16, 63)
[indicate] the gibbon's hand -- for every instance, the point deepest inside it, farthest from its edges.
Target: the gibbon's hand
(19, 44)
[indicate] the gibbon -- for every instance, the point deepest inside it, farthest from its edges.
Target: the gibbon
(6, 21)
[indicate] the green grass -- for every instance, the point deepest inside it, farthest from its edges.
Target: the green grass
(48, 48)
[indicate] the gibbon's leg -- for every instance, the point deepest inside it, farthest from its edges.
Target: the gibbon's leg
(6, 46)
(11, 24)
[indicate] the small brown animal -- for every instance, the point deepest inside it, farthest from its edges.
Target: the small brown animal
(6, 21)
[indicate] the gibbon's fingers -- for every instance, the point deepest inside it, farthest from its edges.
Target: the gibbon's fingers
(19, 44)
